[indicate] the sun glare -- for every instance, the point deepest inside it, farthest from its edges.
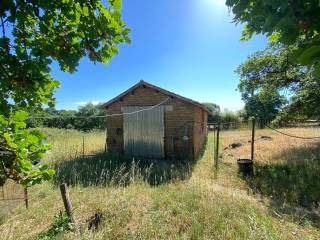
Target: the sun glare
(216, 3)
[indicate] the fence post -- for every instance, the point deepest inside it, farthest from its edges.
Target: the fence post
(253, 137)
(68, 205)
(106, 143)
(214, 145)
(82, 146)
(66, 200)
(217, 151)
(26, 201)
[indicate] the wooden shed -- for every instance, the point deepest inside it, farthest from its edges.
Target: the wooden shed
(148, 121)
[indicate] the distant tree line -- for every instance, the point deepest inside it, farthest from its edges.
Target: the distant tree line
(70, 119)
(228, 118)
(84, 117)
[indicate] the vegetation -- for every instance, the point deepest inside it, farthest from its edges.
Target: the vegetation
(290, 65)
(272, 86)
(21, 150)
(85, 118)
(288, 22)
(34, 34)
(286, 169)
(213, 112)
(60, 225)
(229, 118)
(190, 203)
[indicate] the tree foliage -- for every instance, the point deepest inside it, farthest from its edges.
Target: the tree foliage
(213, 112)
(288, 22)
(272, 84)
(20, 151)
(34, 33)
(265, 106)
(84, 119)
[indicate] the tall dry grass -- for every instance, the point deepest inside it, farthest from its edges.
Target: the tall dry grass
(70, 144)
(195, 206)
(278, 149)
(286, 169)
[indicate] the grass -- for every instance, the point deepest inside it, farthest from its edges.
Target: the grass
(286, 169)
(174, 200)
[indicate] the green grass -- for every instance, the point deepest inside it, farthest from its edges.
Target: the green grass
(143, 199)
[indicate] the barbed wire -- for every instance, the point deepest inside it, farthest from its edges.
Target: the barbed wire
(290, 135)
(104, 116)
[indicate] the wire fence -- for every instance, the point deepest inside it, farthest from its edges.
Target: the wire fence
(11, 195)
(284, 162)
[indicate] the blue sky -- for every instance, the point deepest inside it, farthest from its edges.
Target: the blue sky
(190, 47)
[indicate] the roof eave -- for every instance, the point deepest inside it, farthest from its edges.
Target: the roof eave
(166, 92)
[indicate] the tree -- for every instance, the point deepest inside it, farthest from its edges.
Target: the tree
(213, 112)
(270, 82)
(35, 33)
(90, 110)
(288, 22)
(230, 118)
(264, 106)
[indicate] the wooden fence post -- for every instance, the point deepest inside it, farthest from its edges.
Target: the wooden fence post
(82, 146)
(68, 205)
(66, 200)
(253, 137)
(26, 200)
(106, 143)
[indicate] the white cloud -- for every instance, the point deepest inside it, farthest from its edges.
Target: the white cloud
(80, 103)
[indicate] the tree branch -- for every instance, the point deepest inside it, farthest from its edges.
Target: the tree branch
(3, 29)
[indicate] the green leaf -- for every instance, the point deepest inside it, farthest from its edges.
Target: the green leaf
(20, 116)
(25, 165)
(307, 56)
(3, 121)
(85, 11)
(117, 4)
(274, 37)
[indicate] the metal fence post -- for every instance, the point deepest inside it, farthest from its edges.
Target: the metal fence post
(214, 145)
(217, 151)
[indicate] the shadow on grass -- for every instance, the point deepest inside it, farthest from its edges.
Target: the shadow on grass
(293, 184)
(105, 169)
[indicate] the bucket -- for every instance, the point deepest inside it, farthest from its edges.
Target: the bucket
(245, 166)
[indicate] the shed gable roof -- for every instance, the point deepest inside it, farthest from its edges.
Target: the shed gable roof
(161, 90)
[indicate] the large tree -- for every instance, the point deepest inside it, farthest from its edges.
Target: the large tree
(287, 21)
(268, 78)
(33, 34)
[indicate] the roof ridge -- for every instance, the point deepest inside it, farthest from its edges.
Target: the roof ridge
(162, 90)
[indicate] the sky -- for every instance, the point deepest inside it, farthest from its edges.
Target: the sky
(190, 47)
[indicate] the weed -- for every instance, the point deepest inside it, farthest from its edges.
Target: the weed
(61, 224)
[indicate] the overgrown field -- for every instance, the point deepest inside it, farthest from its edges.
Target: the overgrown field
(141, 199)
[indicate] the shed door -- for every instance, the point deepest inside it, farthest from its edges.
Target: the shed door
(143, 132)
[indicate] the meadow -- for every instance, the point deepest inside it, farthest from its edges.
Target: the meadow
(144, 199)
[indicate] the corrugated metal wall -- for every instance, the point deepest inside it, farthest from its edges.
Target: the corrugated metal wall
(143, 132)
